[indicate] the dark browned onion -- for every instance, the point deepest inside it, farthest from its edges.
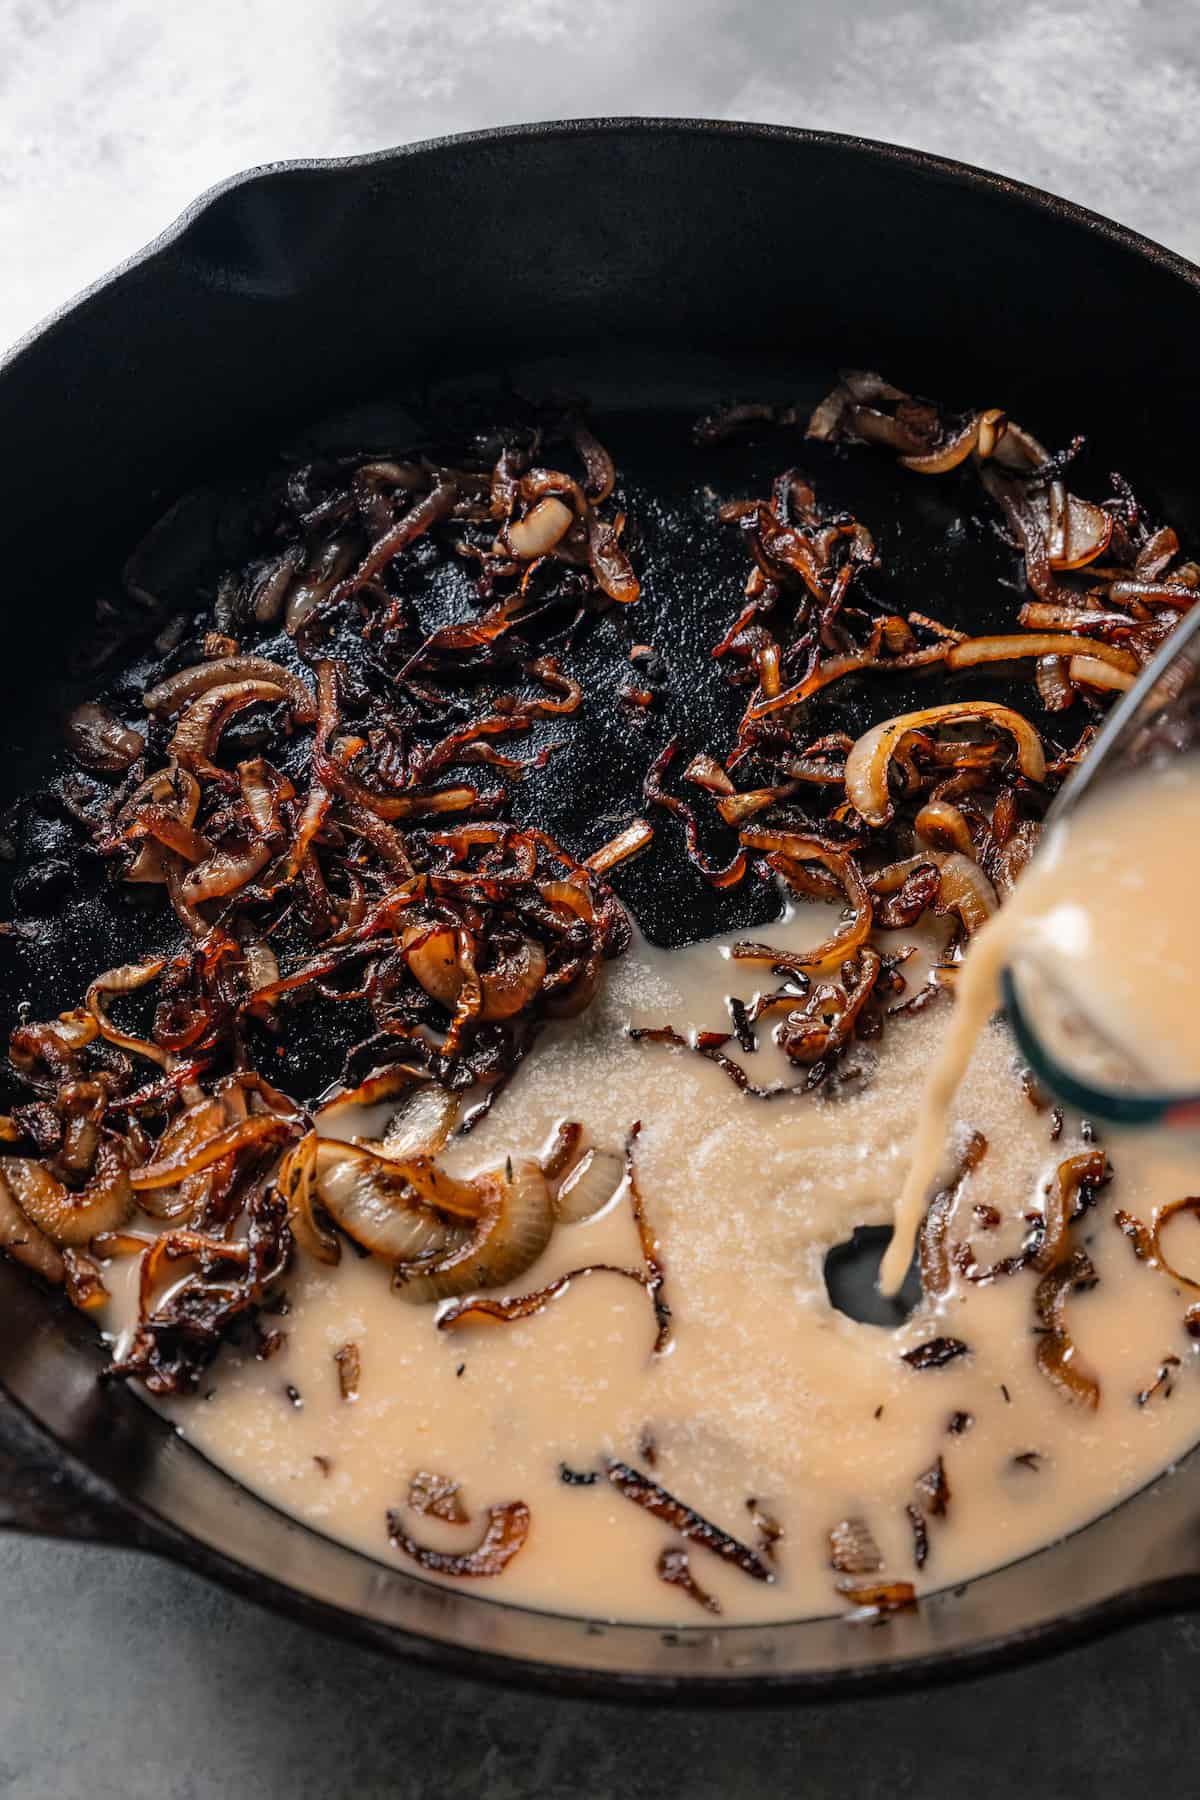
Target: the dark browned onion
(1071, 1179)
(177, 691)
(504, 1534)
(1162, 1217)
(25, 1242)
(99, 741)
(685, 1520)
(1055, 1351)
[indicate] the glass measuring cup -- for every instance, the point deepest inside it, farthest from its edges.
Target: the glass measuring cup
(1066, 1048)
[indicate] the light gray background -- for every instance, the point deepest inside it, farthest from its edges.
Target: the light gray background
(123, 1678)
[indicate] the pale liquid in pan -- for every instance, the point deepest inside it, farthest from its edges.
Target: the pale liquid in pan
(768, 1391)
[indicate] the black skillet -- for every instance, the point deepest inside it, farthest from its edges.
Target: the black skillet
(658, 266)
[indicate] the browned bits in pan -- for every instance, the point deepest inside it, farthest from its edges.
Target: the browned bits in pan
(935, 1354)
(349, 1370)
(852, 1548)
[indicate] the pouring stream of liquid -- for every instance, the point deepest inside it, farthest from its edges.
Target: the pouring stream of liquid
(1111, 899)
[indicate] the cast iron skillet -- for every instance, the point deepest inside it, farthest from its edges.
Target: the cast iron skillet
(658, 265)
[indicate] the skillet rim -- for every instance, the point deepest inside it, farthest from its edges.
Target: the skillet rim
(964, 174)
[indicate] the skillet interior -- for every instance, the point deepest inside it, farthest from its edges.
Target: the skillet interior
(658, 269)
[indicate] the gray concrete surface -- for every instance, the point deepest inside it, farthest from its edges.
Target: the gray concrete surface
(128, 1679)
(114, 113)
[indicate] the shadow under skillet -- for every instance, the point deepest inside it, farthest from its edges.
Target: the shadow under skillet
(215, 1698)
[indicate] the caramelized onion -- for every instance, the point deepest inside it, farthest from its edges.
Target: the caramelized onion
(1085, 533)
(706, 772)
(506, 1530)
(297, 1184)
(514, 982)
(935, 1353)
(610, 566)
(514, 1228)
(601, 472)
(542, 527)
(973, 651)
(442, 961)
(852, 1548)
(260, 965)
(257, 1131)
(199, 727)
(675, 1569)
(84, 1283)
(126, 979)
(420, 517)
(873, 1599)
(980, 433)
(422, 1122)
(224, 872)
(178, 690)
(435, 958)
(870, 758)
(567, 692)
(564, 1152)
(172, 784)
(349, 1370)
(590, 1185)
(962, 887)
(1097, 672)
(26, 1242)
(525, 1306)
(316, 581)
(940, 824)
(380, 1202)
(193, 1128)
(965, 889)
(792, 848)
(262, 792)
(1138, 1234)
(1162, 1217)
(935, 1260)
(1072, 1176)
(438, 1496)
(735, 809)
(99, 741)
(1038, 615)
(685, 1520)
(67, 1218)
(1019, 449)
(627, 843)
(719, 875)
(1055, 1351)
(1053, 683)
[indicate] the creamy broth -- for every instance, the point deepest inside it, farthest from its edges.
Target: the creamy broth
(767, 1391)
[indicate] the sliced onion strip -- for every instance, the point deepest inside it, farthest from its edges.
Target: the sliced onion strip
(870, 758)
(67, 1218)
(1093, 671)
(973, 651)
(513, 1230)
